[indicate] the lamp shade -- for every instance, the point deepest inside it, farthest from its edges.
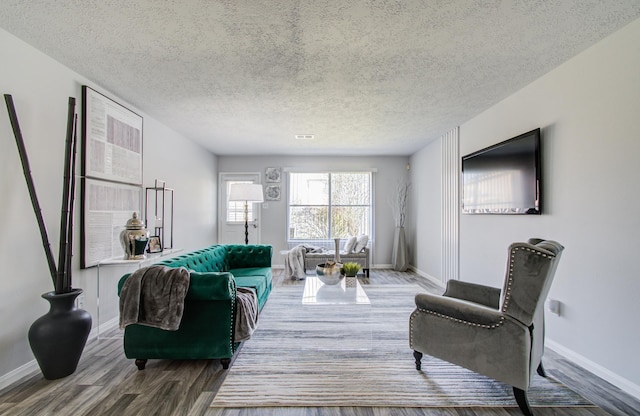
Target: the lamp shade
(249, 192)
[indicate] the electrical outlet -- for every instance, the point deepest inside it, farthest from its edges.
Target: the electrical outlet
(554, 306)
(80, 301)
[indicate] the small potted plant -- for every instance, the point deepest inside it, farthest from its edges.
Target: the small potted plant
(350, 269)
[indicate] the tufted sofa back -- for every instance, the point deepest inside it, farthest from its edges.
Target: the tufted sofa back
(531, 269)
(223, 258)
(210, 259)
(254, 255)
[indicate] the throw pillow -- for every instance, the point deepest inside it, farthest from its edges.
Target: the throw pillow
(350, 244)
(362, 243)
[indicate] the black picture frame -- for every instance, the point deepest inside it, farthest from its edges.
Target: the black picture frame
(155, 244)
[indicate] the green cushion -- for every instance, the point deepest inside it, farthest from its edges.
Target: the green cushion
(258, 278)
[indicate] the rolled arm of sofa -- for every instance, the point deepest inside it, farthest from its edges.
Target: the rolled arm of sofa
(473, 292)
(458, 310)
(212, 286)
(204, 286)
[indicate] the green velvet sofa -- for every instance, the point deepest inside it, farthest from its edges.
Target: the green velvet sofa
(207, 326)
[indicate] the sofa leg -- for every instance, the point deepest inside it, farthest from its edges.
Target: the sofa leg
(418, 356)
(225, 363)
(541, 371)
(523, 402)
(141, 363)
(366, 272)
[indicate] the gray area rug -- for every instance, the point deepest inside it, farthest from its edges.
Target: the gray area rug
(347, 355)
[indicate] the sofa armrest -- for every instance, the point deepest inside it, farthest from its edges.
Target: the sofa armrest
(458, 310)
(212, 286)
(473, 292)
(204, 286)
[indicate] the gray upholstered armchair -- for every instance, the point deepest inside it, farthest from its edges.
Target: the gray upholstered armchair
(497, 333)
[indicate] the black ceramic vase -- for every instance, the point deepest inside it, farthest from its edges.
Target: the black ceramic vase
(58, 337)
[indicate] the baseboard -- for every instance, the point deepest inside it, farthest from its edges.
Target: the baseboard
(23, 371)
(622, 383)
(30, 368)
(113, 323)
(427, 276)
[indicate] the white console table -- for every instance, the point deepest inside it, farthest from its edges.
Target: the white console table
(131, 265)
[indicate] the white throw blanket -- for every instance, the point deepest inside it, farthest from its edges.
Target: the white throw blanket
(294, 261)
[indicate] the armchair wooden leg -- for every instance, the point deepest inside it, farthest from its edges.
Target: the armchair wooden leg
(418, 356)
(141, 363)
(541, 371)
(523, 402)
(225, 363)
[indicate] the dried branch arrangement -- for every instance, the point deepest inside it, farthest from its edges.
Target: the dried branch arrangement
(399, 204)
(60, 274)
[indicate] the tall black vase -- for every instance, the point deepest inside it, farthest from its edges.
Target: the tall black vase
(58, 337)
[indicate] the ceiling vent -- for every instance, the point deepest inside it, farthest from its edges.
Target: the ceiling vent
(305, 136)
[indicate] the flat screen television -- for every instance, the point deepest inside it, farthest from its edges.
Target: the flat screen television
(504, 178)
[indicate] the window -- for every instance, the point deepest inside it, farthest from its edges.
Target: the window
(328, 205)
(235, 209)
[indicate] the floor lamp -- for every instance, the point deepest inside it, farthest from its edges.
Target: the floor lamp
(246, 192)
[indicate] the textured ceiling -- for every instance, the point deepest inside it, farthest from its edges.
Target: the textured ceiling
(366, 77)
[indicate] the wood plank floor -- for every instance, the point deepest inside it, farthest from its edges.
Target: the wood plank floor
(106, 383)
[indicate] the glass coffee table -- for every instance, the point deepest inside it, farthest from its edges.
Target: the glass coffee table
(348, 292)
(338, 317)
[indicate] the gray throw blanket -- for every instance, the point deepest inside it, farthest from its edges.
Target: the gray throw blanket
(154, 296)
(246, 313)
(294, 261)
(294, 264)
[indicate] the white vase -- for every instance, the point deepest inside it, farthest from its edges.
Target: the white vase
(399, 257)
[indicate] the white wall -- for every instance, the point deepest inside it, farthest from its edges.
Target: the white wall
(40, 88)
(589, 112)
(389, 171)
(426, 238)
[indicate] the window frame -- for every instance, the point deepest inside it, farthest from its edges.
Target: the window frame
(330, 205)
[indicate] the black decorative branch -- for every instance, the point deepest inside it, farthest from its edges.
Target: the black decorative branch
(32, 190)
(71, 204)
(61, 281)
(60, 275)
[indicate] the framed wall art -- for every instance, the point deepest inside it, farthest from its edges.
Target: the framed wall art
(272, 175)
(155, 245)
(111, 140)
(105, 210)
(272, 193)
(111, 175)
